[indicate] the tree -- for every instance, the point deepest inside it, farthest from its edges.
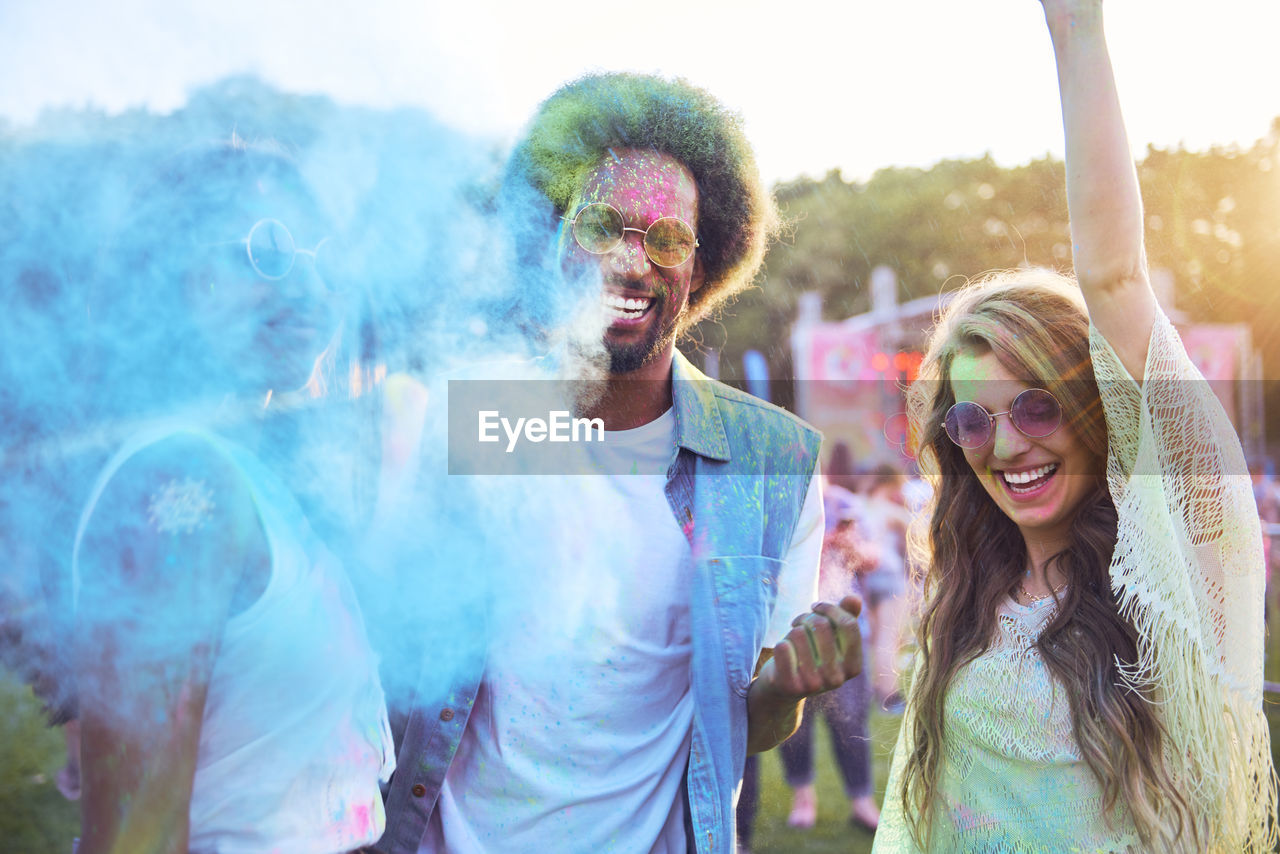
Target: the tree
(1213, 220)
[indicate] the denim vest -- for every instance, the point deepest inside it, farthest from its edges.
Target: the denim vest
(737, 484)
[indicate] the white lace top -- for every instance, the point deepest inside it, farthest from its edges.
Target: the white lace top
(1188, 568)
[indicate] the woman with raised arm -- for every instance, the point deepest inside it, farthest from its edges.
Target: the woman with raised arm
(1089, 675)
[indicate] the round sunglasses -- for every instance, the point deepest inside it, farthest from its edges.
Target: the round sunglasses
(599, 229)
(272, 250)
(1035, 412)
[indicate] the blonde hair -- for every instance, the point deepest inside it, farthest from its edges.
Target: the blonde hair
(1034, 321)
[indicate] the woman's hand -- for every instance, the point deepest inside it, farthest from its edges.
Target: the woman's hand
(1063, 13)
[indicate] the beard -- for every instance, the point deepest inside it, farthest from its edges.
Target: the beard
(624, 358)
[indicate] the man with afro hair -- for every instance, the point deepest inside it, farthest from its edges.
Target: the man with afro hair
(700, 643)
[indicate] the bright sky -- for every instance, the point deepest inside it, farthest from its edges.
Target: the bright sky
(853, 84)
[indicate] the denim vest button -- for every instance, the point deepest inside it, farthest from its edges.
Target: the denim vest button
(418, 790)
(446, 714)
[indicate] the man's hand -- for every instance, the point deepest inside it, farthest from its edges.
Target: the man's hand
(822, 651)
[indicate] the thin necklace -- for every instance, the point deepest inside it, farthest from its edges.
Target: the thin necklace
(1033, 599)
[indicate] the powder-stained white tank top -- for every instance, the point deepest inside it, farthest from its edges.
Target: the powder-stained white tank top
(295, 738)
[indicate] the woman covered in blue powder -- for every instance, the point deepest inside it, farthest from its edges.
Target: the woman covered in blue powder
(229, 699)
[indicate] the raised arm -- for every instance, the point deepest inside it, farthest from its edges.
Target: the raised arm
(161, 560)
(1102, 186)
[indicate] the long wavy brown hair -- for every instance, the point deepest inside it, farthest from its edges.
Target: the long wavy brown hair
(972, 556)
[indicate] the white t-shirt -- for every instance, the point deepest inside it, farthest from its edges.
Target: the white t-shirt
(579, 737)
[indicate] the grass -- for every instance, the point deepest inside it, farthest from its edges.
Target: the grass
(832, 833)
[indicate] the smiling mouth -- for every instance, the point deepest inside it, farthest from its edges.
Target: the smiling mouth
(1029, 481)
(619, 307)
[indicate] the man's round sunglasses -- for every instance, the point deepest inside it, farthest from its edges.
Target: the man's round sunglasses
(1035, 412)
(599, 229)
